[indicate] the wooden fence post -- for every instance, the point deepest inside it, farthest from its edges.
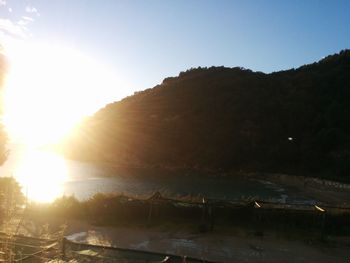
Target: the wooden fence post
(63, 247)
(150, 212)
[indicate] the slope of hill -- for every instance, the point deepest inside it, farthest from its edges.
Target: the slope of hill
(295, 121)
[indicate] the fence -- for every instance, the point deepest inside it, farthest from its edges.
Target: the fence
(207, 213)
(27, 249)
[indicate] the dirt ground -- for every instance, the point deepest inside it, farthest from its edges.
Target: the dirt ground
(218, 247)
(226, 244)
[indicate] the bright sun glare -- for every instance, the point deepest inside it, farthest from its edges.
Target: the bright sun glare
(42, 175)
(49, 88)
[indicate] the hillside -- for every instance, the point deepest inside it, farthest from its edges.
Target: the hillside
(295, 121)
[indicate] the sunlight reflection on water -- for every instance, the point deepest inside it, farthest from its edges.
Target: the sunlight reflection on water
(45, 176)
(41, 174)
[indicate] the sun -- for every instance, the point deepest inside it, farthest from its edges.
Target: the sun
(49, 88)
(41, 174)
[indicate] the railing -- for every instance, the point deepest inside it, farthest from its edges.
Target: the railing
(48, 249)
(29, 249)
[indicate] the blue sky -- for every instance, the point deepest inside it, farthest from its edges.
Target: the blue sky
(146, 41)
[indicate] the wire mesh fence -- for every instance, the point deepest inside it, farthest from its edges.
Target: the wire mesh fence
(206, 213)
(28, 249)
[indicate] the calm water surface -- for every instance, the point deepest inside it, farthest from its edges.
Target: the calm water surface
(45, 176)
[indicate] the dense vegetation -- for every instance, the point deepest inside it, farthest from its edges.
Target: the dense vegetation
(294, 121)
(11, 199)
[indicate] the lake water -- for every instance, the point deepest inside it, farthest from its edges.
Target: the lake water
(45, 176)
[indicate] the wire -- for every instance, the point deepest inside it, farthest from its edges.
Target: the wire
(25, 245)
(35, 253)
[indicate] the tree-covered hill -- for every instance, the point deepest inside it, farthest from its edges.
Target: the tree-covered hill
(294, 121)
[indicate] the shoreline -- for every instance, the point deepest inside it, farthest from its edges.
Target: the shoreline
(326, 191)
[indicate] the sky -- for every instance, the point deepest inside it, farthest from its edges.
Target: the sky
(144, 42)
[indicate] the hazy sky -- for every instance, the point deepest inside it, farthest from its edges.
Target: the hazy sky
(146, 41)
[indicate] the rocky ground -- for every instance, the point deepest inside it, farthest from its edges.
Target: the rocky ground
(299, 187)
